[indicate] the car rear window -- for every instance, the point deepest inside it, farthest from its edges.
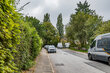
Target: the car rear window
(51, 47)
(104, 43)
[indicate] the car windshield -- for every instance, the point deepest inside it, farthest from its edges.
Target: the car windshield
(104, 43)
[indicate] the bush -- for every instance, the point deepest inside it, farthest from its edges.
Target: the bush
(29, 47)
(19, 41)
(9, 36)
(7, 64)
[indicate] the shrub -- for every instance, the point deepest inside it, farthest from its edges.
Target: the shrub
(19, 41)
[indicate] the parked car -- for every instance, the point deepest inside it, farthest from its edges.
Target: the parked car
(59, 45)
(46, 46)
(100, 48)
(51, 48)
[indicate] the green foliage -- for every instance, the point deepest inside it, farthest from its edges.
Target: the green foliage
(84, 7)
(84, 51)
(46, 30)
(82, 26)
(104, 28)
(29, 46)
(92, 24)
(77, 27)
(36, 44)
(7, 64)
(50, 34)
(9, 36)
(19, 40)
(46, 18)
(36, 23)
(60, 26)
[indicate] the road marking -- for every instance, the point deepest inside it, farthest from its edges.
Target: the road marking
(51, 64)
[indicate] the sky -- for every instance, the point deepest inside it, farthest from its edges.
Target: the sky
(37, 8)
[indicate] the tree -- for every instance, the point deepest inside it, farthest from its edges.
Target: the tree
(60, 26)
(104, 28)
(84, 7)
(77, 27)
(92, 24)
(46, 30)
(36, 23)
(82, 25)
(50, 34)
(46, 17)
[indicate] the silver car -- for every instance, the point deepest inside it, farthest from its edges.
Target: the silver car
(51, 49)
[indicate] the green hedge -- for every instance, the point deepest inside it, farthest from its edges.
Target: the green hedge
(19, 41)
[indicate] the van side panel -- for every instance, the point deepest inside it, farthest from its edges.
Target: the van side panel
(101, 54)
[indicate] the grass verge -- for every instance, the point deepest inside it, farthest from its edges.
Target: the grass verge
(84, 51)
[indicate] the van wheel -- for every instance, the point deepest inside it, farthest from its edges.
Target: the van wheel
(89, 56)
(109, 61)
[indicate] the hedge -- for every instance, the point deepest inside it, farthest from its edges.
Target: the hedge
(19, 41)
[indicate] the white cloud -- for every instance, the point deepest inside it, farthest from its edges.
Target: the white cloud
(36, 11)
(52, 3)
(38, 8)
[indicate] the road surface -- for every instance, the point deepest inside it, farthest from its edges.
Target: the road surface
(68, 61)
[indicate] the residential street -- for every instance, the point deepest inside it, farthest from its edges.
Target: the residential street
(68, 61)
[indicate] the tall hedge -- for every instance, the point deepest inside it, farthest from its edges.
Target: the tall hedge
(19, 42)
(29, 47)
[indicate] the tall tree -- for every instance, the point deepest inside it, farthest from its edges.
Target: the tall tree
(50, 34)
(60, 26)
(82, 25)
(46, 17)
(84, 7)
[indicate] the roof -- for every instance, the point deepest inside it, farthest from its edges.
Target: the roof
(107, 35)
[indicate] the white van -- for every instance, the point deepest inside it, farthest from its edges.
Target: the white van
(60, 45)
(100, 48)
(67, 45)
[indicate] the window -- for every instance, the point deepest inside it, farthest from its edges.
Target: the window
(93, 44)
(104, 43)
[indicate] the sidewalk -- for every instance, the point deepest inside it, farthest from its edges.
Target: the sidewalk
(43, 63)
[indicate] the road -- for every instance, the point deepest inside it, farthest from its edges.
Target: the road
(68, 61)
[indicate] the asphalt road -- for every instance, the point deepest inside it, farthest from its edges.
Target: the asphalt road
(68, 61)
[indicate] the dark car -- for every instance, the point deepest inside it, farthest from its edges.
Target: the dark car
(46, 47)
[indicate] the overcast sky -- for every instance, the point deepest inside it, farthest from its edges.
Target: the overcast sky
(38, 8)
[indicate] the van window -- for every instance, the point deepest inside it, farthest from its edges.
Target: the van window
(93, 44)
(103, 43)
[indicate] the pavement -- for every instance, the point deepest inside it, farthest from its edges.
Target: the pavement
(68, 61)
(43, 63)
